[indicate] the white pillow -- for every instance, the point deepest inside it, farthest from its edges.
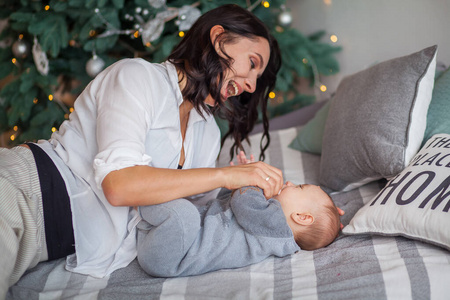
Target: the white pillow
(416, 203)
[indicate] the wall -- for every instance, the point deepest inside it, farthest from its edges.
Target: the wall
(371, 31)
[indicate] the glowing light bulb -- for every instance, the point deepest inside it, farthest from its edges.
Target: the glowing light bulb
(12, 137)
(181, 33)
(279, 29)
(333, 38)
(272, 95)
(323, 88)
(266, 4)
(47, 7)
(50, 97)
(53, 129)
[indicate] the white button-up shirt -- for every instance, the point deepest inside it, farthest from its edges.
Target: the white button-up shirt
(128, 115)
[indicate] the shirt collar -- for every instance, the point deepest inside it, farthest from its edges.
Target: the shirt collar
(173, 77)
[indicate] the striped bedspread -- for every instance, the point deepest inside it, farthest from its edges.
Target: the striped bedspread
(353, 267)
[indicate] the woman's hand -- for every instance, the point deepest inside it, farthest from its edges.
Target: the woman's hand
(260, 174)
(242, 159)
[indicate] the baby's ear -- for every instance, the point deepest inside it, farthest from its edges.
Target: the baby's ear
(304, 219)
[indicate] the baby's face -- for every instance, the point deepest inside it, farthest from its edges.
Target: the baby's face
(301, 197)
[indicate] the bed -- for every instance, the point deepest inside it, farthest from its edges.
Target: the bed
(386, 262)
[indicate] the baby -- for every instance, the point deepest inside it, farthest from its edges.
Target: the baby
(311, 215)
(237, 229)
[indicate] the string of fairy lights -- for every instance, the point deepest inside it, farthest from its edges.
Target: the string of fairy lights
(148, 29)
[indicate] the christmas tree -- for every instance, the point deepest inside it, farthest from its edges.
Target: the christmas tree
(50, 50)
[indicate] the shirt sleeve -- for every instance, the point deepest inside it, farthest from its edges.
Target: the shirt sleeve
(257, 215)
(124, 112)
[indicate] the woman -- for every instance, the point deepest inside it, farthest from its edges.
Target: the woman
(140, 134)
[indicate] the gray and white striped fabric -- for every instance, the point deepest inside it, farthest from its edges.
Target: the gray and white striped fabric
(353, 267)
(22, 235)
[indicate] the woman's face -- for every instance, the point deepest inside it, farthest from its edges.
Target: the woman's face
(249, 58)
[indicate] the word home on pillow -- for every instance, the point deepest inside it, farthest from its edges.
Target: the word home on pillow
(415, 203)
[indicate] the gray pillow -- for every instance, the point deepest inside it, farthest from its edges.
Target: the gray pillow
(377, 121)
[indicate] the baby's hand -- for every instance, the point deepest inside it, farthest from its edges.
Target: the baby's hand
(242, 159)
(341, 213)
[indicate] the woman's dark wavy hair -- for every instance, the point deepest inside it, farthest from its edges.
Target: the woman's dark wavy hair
(204, 69)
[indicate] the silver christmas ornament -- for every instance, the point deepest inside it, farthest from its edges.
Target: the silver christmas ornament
(167, 14)
(94, 66)
(40, 58)
(152, 30)
(157, 3)
(20, 48)
(285, 18)
(187, 15)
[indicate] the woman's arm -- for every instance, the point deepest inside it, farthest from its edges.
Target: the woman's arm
(144, 185)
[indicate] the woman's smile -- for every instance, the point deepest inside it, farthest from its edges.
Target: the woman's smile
(232, 89)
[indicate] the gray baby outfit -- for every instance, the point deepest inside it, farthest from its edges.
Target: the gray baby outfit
(237, 229)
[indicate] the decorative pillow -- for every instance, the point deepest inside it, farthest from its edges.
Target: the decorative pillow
(309, 138)
(438, 118)
(377, 121)
(415, 203)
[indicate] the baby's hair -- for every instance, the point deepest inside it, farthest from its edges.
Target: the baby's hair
(322, 232)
